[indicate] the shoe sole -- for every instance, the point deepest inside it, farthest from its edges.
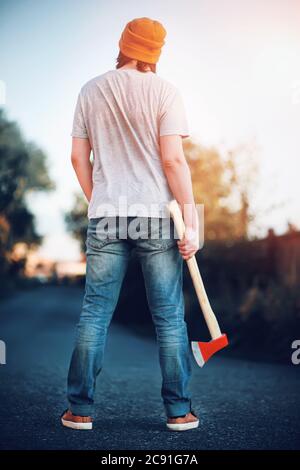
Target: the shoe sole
(183, 426)
(78, 426)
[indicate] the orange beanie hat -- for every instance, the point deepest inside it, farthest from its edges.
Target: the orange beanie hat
(142, 39)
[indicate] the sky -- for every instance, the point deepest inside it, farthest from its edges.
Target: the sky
(236, 63)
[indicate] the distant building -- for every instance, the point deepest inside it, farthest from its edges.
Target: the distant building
(47, 270)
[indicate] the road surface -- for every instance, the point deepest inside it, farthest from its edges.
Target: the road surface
(242, 405)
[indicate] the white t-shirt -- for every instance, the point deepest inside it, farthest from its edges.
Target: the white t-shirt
(123, 112)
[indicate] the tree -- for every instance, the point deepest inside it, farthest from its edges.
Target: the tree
(76, 220)
(223, 185)
(22, 170)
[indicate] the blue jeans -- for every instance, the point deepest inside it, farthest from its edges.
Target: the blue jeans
(107, 260)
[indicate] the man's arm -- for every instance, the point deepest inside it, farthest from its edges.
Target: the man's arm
(80, 157)
(179, 179)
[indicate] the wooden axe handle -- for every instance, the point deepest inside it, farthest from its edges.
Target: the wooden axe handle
(207, 311)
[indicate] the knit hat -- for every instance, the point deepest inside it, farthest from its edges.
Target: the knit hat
(142, 39)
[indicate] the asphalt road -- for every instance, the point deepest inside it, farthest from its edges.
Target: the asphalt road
(242, 405)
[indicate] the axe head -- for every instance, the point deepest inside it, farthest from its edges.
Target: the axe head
(204, 350)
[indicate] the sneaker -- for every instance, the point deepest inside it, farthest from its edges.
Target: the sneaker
(76, 422)
(183, 423)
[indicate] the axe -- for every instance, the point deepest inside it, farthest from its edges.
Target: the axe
(202, 350)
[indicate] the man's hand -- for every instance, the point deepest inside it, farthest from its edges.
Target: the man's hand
(189, 245)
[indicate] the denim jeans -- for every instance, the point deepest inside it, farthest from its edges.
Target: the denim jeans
(161, 263)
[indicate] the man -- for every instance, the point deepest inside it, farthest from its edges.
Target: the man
(134, 122)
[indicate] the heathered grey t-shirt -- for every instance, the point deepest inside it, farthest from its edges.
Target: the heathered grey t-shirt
(123, 112)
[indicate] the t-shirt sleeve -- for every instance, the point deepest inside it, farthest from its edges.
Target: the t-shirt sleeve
(79, 125)
(173, 119)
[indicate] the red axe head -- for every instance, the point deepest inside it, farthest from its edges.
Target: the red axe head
(203, 351)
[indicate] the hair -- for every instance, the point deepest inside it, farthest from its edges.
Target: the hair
(141, 66)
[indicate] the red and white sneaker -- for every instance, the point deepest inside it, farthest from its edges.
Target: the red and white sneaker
(183, 423)
(76, 422)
